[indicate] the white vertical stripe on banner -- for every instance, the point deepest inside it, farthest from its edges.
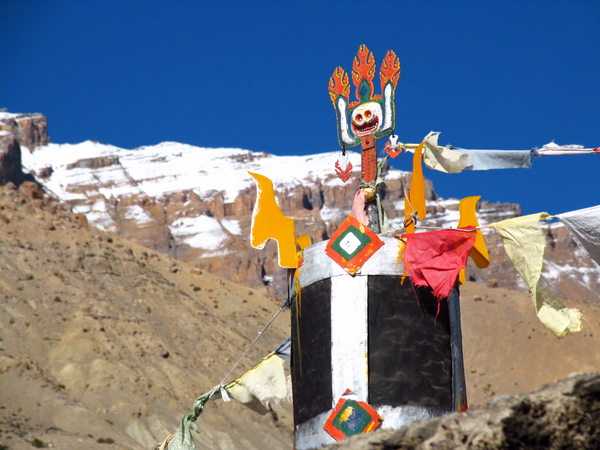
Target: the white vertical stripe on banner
(349, 336)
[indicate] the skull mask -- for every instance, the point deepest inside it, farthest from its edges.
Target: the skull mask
(367, 119)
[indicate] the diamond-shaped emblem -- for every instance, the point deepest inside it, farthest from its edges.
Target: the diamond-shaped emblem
(351, 416)
(352, 245)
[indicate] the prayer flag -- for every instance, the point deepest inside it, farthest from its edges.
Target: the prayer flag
(268, 222)
(497, 159)
(442, 158)
(454, 160)
(555, 149)
(584, 226)
(435, 258)
(358, 207)
(414, 201)
(468, 218)
(182, 439)
(284, 351)
(263, 383)
(524, 244)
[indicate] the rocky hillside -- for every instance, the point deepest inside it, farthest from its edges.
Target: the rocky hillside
(195, 204)
(105, 343)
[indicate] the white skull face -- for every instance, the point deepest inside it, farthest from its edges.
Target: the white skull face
(367, 119)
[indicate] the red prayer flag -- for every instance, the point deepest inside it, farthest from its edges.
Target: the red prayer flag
(435, 258)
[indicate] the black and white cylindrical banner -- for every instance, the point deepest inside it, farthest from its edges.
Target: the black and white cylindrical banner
(396, 347)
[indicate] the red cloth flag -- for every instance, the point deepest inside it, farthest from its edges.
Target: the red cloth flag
(435, 258)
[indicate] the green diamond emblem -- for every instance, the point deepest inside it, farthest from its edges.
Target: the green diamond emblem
(352, 419)
(350, 243)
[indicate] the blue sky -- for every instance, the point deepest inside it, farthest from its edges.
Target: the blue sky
(487, 74)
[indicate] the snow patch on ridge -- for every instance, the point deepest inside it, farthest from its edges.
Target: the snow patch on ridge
(97, 215)
(137, 213)
(231, 225)
(200, 232)
(331, 214)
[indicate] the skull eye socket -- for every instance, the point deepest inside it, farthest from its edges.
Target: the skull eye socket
(368, 114)
(358, 118)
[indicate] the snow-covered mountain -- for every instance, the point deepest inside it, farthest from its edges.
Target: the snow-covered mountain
(96, 178)
(196, 204)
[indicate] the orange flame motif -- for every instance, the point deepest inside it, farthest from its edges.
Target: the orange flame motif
(339, 84)
(363, 68)
(390, 69)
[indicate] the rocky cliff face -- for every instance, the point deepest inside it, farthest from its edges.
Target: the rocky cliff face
(317, 208)
(10, 159)
(31, 130)
(195, 204)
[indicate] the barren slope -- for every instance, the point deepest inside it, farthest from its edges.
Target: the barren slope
(105, 339)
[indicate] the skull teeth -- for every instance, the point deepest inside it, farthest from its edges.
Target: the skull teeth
(366, 128)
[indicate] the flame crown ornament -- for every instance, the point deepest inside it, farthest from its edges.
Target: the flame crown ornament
(363, 72)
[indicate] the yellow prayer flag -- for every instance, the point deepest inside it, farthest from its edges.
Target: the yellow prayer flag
(303, 241)
(524, 244)
(268, 222)
(415, 200)
(263, 383)
(468, 218)
(417, 185)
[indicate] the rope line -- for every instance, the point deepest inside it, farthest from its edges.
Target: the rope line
(252, 344)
